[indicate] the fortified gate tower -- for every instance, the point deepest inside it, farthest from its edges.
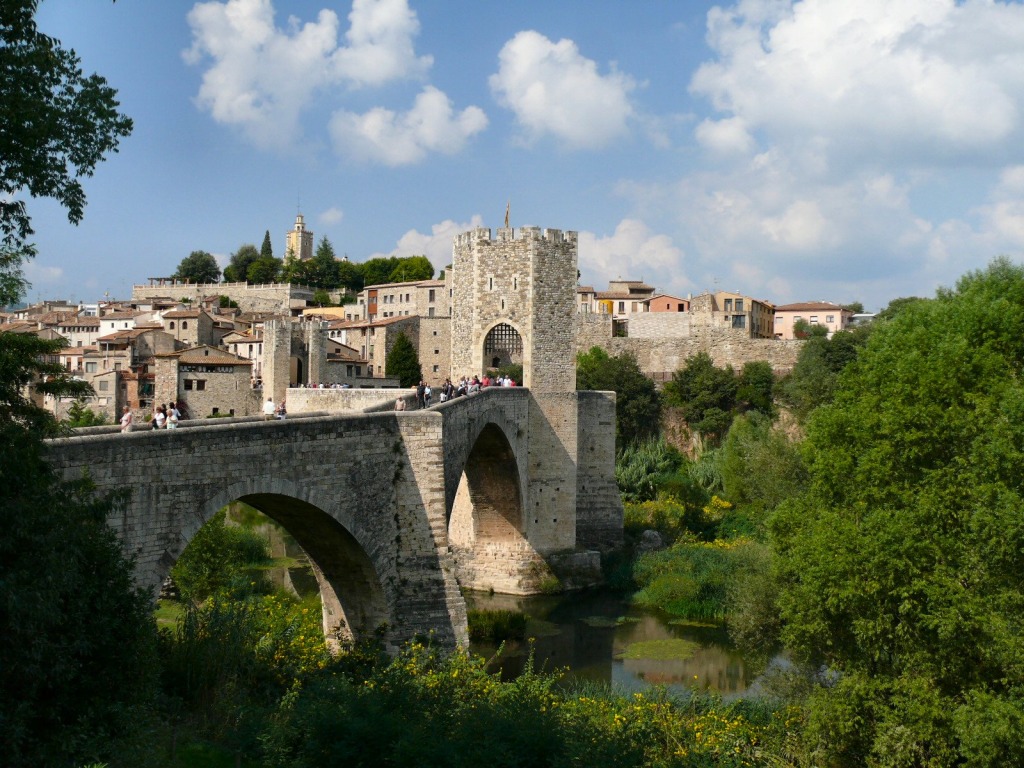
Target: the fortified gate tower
(514, 301)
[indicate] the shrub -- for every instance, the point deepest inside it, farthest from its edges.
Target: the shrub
(215, 560)
(691, 579)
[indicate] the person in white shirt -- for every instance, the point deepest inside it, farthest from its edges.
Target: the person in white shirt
(269, 409)
(126, 420)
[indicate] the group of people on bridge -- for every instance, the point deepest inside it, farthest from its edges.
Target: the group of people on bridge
(449, 391)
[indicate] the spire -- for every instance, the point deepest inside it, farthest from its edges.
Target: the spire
(508, 205)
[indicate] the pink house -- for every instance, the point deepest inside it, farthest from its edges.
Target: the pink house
(814, 313)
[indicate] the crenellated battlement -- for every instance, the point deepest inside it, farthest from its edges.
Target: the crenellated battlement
(482, 235)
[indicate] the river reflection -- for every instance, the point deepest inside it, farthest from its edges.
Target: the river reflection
(589, 634)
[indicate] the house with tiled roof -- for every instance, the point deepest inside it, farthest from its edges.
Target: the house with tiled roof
(210, 381)
(815, 313)
(191, 327)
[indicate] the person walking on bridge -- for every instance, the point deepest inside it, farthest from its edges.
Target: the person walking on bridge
(269, 409)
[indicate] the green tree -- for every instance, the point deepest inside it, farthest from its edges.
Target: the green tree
(760, 466)
(56, 126)
(215, 558)
(896, 306)
(78, 639)
(267, 249)
(322, 269)
(704, 394)
(813, 379)
(198, 267)
(263, 271)
(403, 362)
(237, 270)
(901, 564)
(378, 271)
(412, 268)
(854, 306)
(756, 387)
(293, 270)
(350, 276)
(637, 402)
(81, 415)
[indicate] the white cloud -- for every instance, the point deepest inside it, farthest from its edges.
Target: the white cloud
(37, 273)
(885, 78)
(331, 216)
(553, 89)
(435, 245)
(384, 136)
(262, 77)
(632, 252)
(725, 136)
(380, 43)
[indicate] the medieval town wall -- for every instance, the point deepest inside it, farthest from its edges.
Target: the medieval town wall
(271, 297)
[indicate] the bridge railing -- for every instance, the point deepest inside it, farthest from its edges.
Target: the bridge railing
(109, 429)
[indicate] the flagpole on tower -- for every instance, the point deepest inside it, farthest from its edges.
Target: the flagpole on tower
(507, 206)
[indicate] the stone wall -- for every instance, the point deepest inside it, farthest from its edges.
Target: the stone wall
(340, 400)
(659, 325)
(435, 349)
(661, 357)
(274, 297)
(599, 512)
(593, 329)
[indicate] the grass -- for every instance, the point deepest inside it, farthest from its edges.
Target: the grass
(167, 613)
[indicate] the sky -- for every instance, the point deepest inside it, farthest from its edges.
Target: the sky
(808, 150)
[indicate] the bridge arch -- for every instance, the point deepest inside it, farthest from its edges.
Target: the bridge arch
(487, 525)
(354, 601)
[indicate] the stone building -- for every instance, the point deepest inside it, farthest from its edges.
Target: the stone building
(208, 380)
(299, 240)
(191, 327)
(423, 298)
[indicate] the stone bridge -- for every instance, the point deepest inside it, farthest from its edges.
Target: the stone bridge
(398, 511)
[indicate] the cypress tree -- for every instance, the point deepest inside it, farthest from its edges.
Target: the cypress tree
(403, 362)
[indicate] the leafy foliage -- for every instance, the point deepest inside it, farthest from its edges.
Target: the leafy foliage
(814, 377)
(428, 708)
(263, 271)
(213, 560)
(901, 564)
(691, 579)
(403, 362)
(198, 267)
(26, 359)
(237, 269)
(78, 638)
(637, 403)
(81, 415)
(760, 466)
(412, 268)
(705, 394)
(56, 126)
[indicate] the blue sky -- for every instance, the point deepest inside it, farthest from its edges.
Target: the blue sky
(794, 151)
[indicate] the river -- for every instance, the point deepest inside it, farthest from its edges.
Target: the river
(597, 636)
(593, 636)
